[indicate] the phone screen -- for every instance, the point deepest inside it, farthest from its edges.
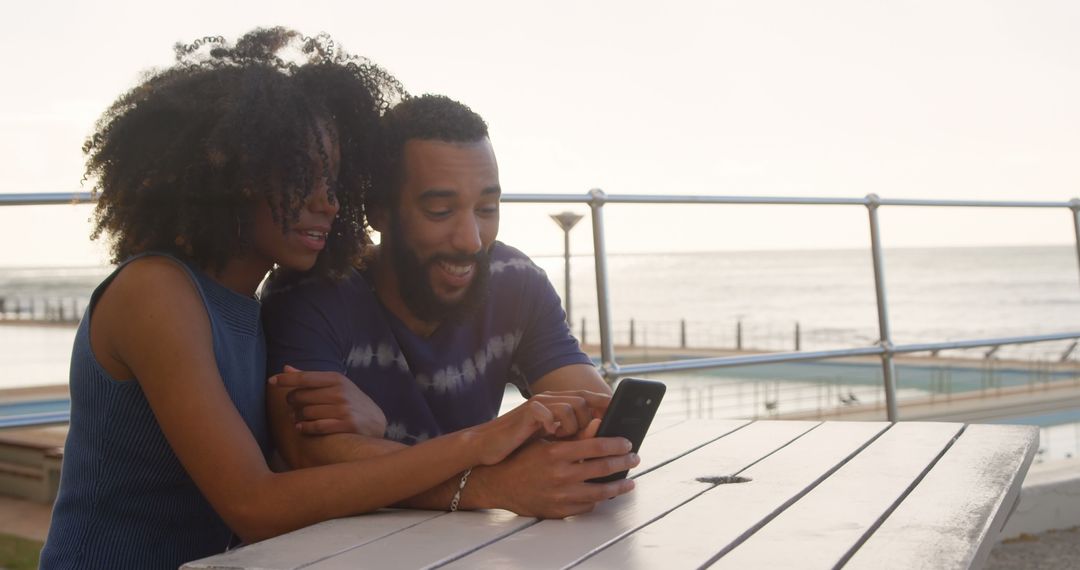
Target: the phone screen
(631, 411)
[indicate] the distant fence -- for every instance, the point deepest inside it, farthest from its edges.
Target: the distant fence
(739, 334)
(42, 309)
(755, 335)
(735, 335)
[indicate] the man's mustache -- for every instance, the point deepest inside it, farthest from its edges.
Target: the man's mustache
(480, 258)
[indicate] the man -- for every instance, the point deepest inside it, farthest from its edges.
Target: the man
(433, 328)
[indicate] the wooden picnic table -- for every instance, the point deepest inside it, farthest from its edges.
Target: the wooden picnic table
(818, 495)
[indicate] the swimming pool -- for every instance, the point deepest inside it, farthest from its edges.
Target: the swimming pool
(34, 407)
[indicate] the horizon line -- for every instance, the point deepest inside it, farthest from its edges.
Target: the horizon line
(681, 252)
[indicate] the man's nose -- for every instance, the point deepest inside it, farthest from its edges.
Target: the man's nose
(466, 237)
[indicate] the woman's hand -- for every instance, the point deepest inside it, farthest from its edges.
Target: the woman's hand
(574, 410)
(553, 414)
(324, 403)
(497, 439)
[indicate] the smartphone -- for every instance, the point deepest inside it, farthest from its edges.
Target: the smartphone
(631, 411)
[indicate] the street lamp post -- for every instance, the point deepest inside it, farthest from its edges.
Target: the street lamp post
(566, 221)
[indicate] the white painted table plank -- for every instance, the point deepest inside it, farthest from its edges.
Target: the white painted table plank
(438, 540)
(821, 528)
(301, 547)
(680, 439)
(441, 538)
(813, 497)
(660, 424)
(693, 534)
(951, 519)
(446, 538)
(550, 543)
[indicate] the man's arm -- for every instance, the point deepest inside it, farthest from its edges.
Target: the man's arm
(572, 377)
(548, 356)
(304, 440)
(306, 327)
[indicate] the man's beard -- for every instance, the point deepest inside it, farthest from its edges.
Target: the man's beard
(414, 280)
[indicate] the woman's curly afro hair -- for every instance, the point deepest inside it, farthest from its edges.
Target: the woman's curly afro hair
(180, 161)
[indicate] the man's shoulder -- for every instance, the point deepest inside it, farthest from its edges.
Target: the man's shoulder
(285, 287)
(509, 262)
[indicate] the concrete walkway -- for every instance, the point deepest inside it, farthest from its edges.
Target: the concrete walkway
(25, 519)
(1050, 550)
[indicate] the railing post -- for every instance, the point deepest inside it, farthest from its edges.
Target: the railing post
(798, 338)
(1074, 205)
(1068, 352)
(566, 273)
(682, 333)
(603, 300)
(888, 368)
(738, 335)
(583, 341)
(631, 332)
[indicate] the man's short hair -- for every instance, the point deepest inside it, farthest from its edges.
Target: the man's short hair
(427, 117)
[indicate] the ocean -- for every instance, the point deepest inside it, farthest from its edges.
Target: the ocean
(933, 294)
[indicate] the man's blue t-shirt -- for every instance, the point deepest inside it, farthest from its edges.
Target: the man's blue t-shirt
(426, 386)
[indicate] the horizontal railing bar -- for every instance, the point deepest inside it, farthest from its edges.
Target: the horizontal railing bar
(46, 198)
(745, 360)
(983, 342)
(762, 200)
(774, 200)
(31, 420)
(973, 203)
(776, 357)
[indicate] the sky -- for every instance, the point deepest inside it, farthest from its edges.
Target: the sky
(906, 99)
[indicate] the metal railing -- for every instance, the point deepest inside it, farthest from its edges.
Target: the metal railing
(596, 200)
(885, 349)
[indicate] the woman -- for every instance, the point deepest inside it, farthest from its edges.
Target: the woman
(209, 174)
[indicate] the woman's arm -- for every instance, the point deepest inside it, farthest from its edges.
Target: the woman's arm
(152, 322)
(545, 479)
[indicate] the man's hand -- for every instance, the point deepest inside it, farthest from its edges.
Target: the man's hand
(546, 479)
(573, 409)
(324, 403)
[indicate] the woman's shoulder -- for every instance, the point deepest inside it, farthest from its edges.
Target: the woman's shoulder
(144, 297)
(151, 278)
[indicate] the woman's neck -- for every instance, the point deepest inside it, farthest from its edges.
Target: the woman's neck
(242, 274)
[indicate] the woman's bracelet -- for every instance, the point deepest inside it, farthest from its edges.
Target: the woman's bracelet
(461, 486)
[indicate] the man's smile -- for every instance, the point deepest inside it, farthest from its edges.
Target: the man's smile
(456, 275)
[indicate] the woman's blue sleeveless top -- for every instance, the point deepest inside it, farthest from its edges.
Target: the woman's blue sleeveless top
(125, 501)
